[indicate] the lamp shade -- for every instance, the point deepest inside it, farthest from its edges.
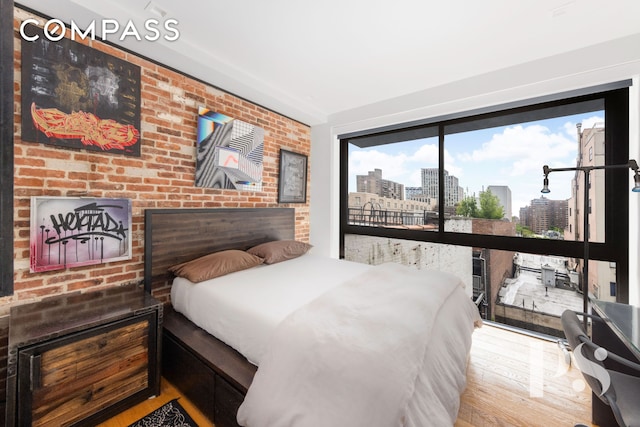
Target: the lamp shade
(636, 179)
(545, 186)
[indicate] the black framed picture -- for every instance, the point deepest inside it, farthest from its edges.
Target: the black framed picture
(74, 96)
(292, 181)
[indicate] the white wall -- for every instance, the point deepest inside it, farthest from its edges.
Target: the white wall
(634, 202)
(599, 64)
(325, 180)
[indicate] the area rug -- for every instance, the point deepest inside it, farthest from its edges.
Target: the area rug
(171, 414)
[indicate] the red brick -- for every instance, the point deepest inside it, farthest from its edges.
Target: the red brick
(162, 177)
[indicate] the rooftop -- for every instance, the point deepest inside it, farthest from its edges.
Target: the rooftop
(527, 290)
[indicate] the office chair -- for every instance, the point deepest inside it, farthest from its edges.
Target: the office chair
(620, 391)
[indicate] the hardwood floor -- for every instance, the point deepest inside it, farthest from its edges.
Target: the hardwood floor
(168, 392)
(516, 380)
(513, 380)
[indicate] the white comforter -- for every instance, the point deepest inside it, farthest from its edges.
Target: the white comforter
(244, 308)
(387, 348)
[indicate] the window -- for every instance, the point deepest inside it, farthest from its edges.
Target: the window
(497, 167)
(612, 289)
(476, 179)
(490, 165)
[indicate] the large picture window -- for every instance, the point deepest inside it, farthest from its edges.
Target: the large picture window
(474, 181)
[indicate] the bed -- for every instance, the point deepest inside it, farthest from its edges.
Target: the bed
(309, 374)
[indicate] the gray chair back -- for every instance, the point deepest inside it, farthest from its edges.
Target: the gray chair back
(576, 335)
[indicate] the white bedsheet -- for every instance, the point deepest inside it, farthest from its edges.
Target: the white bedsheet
(243, 308)
(387, 348)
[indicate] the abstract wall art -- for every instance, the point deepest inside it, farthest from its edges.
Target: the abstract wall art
(76, 231)
(74, 96)
(229, 152)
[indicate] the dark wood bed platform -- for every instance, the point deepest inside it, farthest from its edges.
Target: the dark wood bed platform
(211, 374)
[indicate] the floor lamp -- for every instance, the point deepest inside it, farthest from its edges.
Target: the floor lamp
(633, 165)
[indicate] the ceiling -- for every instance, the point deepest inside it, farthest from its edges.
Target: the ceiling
(311, 60)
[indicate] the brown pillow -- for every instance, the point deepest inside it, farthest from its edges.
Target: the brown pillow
(280, 250)
(215, 265)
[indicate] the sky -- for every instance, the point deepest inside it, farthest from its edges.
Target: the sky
(509, 155)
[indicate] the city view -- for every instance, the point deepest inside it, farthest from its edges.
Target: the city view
(492, 185)
(507, 161)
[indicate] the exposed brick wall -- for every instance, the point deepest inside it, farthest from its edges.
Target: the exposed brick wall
(493, 227)
(499, 264)
(163, 177)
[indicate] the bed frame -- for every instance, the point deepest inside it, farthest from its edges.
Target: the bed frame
(208, 372)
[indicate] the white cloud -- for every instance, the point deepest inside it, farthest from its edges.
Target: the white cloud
(588, 123)
(427, 155)
(513, 156)
(393, 166)
(361, 162)
(523, 149)
(516, 155)
(400, 167)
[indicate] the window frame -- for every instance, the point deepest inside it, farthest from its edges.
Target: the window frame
(6, 147)
(613, 249)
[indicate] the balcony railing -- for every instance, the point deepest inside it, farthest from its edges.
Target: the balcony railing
(372, 217)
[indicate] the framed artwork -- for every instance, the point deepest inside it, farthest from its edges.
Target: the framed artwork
(74, 96)
(229, 152)
(292, 181)
(76, 231)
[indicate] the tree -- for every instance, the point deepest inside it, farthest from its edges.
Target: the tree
(490, 206)
(524, 231)
(467, 207)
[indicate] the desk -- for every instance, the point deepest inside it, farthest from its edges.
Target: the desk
(624, 322)
(619, 333)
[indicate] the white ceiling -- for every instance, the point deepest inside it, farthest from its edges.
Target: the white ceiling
(310, 60)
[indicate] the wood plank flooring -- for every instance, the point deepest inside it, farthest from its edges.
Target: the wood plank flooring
(167, 392)
(513, 380)
(516, 380)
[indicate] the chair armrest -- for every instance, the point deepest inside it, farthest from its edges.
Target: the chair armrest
(623, 361)
(591, 316)
(610, 355)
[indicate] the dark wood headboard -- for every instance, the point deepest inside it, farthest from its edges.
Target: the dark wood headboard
(173, 236)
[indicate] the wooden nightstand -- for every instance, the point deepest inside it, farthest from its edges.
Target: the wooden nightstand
(78, 359)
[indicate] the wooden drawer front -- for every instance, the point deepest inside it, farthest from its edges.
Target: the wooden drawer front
(228, 400)
(196, 381)
(80, 377)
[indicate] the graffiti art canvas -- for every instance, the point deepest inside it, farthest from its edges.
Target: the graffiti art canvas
(74, 96)
(229, 152)
(76, 231)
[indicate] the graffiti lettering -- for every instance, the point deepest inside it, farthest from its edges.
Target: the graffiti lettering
(86, 221)
(73, 231)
